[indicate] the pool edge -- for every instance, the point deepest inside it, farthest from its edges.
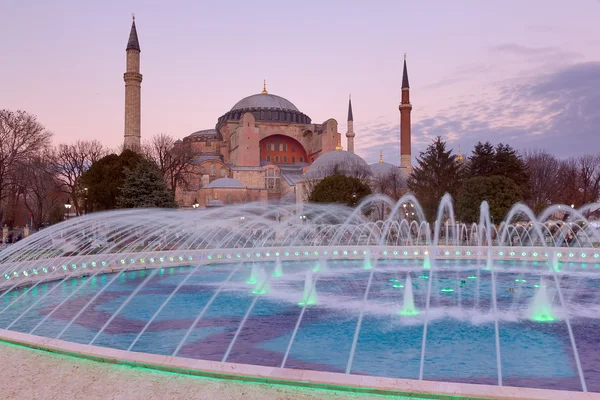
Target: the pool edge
(286, 376)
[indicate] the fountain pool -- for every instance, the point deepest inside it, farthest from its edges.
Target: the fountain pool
(340, 294)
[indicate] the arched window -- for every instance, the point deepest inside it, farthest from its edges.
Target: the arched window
(202, 170)
(229, 199)
(269, 158)
(213, 169)
(208, 198)
(301, 159)
(223, 173)
(284, 146)
(293, 160)
(285, 159)
(276, 159)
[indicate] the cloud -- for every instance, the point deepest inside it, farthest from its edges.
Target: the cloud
(550, 55)
(558, 112)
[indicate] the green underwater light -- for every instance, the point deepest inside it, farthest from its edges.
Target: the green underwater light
(447, 290)
(398, 285)
(408, 312)
(471, 277)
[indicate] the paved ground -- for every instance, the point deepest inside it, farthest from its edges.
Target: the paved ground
(32, 374)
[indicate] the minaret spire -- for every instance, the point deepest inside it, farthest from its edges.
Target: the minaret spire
(380, 155)
(405, 108)
(133, 87)
(350, 133)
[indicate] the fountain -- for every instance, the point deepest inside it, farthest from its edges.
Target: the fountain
(278, 271)
(178, 283)
(408, 304)
(262, 282)
(309, 296)
(541, 306)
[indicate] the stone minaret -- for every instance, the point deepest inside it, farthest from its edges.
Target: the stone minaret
(350, 134)
(405, 109)
(133, 86)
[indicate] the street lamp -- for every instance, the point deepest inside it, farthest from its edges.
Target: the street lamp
(354, 196)
(303, 218)
(68, 207)
(85, 200)
(195, 205)
(572, 205)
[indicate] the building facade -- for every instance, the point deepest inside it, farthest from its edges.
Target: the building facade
(259, 149)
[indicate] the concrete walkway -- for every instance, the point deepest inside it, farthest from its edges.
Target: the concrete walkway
(34, 374)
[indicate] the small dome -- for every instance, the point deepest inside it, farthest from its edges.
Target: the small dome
(381, 168)
(264, 101)
(205, 132)
(225, 183)
(345, 162)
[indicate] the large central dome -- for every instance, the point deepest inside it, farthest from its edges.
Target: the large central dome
(264, 101)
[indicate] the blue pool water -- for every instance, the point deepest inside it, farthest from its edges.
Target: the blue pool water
(460, 342)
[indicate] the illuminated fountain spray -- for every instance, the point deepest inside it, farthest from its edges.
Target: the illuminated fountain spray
(278, 272)
(320, 265)
(309, 297)
(253, 275)
(368, 264)
(262, 283)
(540, 309)
(427, 260)
(555, 263)
(408, 305)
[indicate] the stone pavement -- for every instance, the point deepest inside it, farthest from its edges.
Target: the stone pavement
(33, 374)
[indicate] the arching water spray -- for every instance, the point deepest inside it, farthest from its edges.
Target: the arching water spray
(262, 282)
(253, 275)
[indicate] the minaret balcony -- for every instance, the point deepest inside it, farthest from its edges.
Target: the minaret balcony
(132, 76)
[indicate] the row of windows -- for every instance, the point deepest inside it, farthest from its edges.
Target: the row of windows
(271, 179)
(283, 159)
(276, 146)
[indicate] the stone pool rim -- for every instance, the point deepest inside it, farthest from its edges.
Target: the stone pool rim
(372, 385)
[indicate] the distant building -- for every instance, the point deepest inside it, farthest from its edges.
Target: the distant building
(262, 147)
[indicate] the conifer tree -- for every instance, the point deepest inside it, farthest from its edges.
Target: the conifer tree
(436, 173)
(144, 187)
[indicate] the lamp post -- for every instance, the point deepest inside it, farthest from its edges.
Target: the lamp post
(68, 207)
(572, 205)
(85, 200)
(354, 196)
(195, 205)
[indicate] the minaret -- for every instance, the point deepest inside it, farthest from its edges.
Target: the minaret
(459, 156)
(350, 133)
(405, 109)
(133, 86)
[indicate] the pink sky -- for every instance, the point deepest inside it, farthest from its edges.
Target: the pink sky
(64, 61)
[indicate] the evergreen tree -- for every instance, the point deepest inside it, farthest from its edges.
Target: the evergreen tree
(502, 160)
(500, 192)
(144, 187)
(437, 172)
(482, 161)
(105, 178)
(339, 188)
(510, 165)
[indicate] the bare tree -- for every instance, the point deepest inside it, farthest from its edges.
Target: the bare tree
(543, 171)
(71, 161)
(21, 137)
(567, 184)
(174, 159)
(589, 177)
(39, 187)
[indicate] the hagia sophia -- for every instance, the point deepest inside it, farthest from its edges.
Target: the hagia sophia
(264, 148)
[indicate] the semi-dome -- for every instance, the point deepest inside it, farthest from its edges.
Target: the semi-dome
(225, 183)
(338, 161)
(264, 100)
(381, 168)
